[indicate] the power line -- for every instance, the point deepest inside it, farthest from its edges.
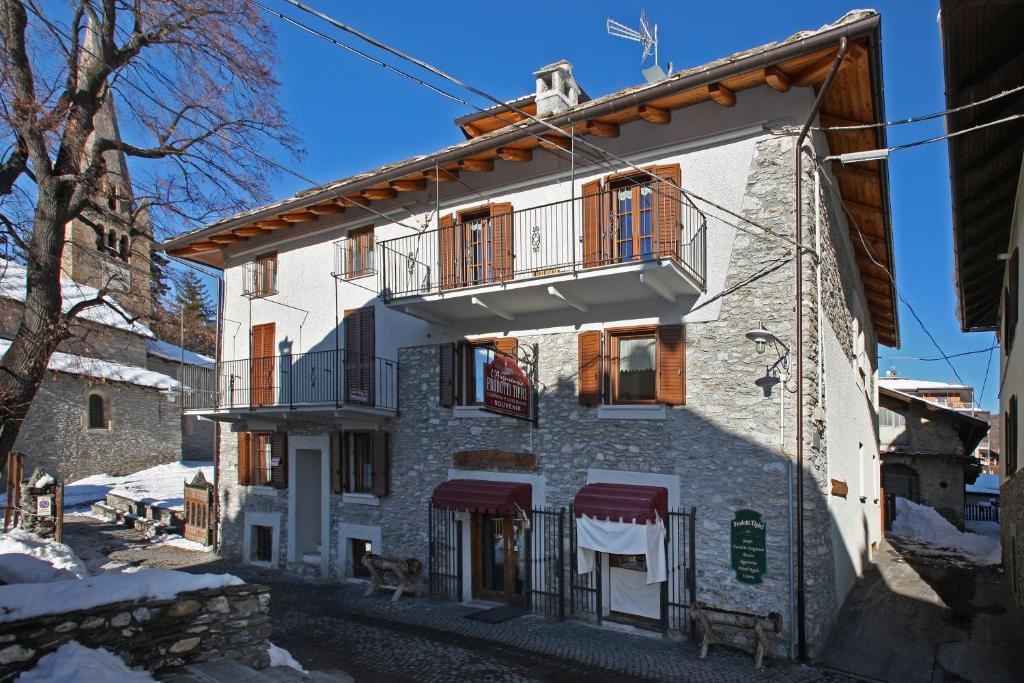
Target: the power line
(988, 365)
(938, 358)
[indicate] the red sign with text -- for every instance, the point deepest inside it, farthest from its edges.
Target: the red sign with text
(506, 388)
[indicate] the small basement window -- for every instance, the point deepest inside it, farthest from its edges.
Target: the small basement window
(262, 544)
(360, 547)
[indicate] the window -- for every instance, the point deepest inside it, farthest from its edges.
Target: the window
(361, 463)
(633, 211)
(263, 459)
(122, 249)
(261, 276)
(462, 369)
(634, 379)
(644, 365)
(478, 248)
(360, 257)
(476, 356)
(97, 412)
(1010, 446)
(262, 546)
(99, 241)
(360, 547)
(892, 426)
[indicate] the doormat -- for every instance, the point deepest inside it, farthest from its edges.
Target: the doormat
(496, 615)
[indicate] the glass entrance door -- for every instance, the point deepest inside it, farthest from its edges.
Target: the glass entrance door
(499, 558)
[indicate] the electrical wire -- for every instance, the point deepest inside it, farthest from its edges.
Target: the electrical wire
(988, 365)
(938, 358)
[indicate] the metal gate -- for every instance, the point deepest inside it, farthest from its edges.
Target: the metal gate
(545, 562)
(586, 591)
(198, 501)
(445, 557)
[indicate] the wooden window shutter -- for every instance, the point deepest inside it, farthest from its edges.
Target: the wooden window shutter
(592, 223)
(591, 368)
(446, 251)
(1013, 302)
(360, 349)
(279, 460)
(244, 458)
(336, 462)
(671, 362)
(381, 469)
(667, 210)
(502, 241)
(506, 345)
(446, 375)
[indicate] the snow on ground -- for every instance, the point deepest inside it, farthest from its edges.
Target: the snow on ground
(103, 369)
(991, 529)
(176, 541)
(73, 662)
(27, 600)
(922, 525)
(27, 558)
(167, 351)
(281, 657)
(162, 485)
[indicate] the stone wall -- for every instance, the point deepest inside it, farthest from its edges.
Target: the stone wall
(197, 435)
(145, 429)
(1011, 509)
(231, 622)
(940, 482)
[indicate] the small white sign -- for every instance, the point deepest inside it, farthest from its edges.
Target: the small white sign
(44, 506)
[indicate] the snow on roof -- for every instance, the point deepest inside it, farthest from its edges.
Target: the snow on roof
(103, 369)
(907, 384)
(985, 483)
(13, 285)
(160, 485)
(168, 351)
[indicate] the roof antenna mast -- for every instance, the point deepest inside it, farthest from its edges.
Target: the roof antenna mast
(647, 36)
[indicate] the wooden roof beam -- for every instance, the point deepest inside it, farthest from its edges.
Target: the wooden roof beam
(853, 171)
(326, 209)
(774, 77)
(477, 165)
(299, 216)
(226, 238)
(353, 201)
(721, 94)
(514, 154)
(816, 72)
(602, 129)
(555, 141)
(272, 224)
(409, 185)
(377, 193)
(252, 231)
(441, 175)
(653, 114)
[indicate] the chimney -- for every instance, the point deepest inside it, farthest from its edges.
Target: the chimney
(557, 90)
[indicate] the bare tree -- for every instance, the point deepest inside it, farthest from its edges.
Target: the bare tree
(196, 97)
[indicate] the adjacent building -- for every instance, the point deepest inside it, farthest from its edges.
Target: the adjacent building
(982, 59)
(566, 383)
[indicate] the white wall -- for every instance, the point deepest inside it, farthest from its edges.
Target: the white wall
(1012, 366)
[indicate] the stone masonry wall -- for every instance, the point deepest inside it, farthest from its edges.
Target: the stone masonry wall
(197, 436)
(145, 429)
(231, 622)
(1011, 508)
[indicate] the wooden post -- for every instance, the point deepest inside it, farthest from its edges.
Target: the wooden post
(12, 505)
(9, 492)
(58, 510)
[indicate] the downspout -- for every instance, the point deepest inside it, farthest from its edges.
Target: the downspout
(216, 425)
(801, 604)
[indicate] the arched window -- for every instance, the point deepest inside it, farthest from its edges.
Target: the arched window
(901, 480)
(99, 241)
(97, 412)
(122, 249)
(111, 240)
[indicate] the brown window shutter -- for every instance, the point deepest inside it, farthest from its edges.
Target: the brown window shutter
(244, 458)
(591, 368)
(667, 210)
(592, 222)
(336, 462)
(671, 361)
(360, 349)
(502, 241)
(279, 455)
(506, 345)
(446, 375)
(381, 469)
(446, 251)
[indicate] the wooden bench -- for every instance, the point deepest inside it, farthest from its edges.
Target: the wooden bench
(761, 624)
(405, 572)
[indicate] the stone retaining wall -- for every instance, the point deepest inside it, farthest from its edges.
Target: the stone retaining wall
(231, 622)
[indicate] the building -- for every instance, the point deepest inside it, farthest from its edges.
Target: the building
(984, 490)
(645, 337)
(927, 448)
(981, 61)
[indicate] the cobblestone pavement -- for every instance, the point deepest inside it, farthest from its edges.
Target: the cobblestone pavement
(331, 626)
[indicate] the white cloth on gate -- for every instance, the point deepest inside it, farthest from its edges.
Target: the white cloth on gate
(621, 538)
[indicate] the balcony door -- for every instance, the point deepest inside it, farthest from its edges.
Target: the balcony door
(360, 355)
(478, 249)
(261, 364)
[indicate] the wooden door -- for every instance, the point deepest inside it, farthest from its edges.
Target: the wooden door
(499, 558)
(360, 355)
(262, 364)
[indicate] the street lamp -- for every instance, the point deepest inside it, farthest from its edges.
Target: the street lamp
(761, 338)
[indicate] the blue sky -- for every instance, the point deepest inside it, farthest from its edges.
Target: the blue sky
(353, 115)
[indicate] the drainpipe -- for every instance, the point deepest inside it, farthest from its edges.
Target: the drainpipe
(801, 606)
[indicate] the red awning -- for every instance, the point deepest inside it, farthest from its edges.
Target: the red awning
(480, 495)
(625, 502)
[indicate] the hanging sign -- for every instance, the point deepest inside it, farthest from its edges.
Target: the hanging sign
(506, 388)
(748, 546)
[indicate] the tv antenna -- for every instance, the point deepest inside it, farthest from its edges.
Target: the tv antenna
(647, 36)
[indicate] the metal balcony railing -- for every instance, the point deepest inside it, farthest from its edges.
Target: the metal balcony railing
(558, 238)
(260, 277)
(319, 378)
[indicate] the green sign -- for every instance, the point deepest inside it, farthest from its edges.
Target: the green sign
(748, 546)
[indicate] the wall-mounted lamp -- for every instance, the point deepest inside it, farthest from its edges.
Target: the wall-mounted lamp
(761, 338)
